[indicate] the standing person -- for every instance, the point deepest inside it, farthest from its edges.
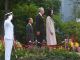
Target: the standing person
(40, 26)
(9, 35)
(29, 31)
(50, 30)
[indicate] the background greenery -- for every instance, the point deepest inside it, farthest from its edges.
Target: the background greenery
(42, 54)
(24, 9)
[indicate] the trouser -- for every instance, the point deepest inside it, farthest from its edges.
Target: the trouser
(40, 40)
(8, 48)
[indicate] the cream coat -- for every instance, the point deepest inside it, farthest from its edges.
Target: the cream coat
(51, 39)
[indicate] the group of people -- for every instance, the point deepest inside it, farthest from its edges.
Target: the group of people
(40, 31)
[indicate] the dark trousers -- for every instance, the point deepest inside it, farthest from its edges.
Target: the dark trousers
(40, 39)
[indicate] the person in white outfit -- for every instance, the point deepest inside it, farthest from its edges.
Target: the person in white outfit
(50, 30)
(8, 35)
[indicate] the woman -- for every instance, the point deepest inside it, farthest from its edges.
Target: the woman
(50, 30)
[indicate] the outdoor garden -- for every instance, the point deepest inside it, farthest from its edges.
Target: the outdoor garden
(43, 53)
(23, 9)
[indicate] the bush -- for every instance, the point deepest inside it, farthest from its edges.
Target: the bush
(22, 12)
(45, 54)
(42, 54)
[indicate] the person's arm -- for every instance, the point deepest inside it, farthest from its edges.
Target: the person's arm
(49, 25)
(28, 32)
(38, 25)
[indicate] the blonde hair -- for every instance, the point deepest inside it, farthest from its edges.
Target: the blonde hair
(40, 9)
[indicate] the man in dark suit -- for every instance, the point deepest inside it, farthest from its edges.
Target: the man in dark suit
(29, 31)
(40, 26)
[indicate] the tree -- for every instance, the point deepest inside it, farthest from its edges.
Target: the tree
(21, 13)
(23, 9)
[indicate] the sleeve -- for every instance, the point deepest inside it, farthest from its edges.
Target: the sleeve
(28, 33)
(27, 30)
(6, 23)
(49, 25)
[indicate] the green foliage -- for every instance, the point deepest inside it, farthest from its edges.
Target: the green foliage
(43, 54)
(21, 13)
(66, 28)
(70, 27)
(58, 26)
(58, 21)
(54, 4)
(23, 9)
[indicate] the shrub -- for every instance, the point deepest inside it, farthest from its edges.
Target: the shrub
(21, 13)
(42, 54)
(45, 54)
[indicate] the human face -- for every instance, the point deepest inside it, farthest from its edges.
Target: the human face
(10, 17)
(51, 12)
(31, 20)
(42, 11)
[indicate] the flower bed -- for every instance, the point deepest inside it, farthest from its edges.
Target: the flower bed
(42, 54)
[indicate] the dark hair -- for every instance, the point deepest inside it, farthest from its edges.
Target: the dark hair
(6, 15)
(48, 13)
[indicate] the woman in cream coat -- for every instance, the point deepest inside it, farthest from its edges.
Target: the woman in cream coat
(50, 30)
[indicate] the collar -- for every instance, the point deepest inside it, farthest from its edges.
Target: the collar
(40, 13)
(30, 24)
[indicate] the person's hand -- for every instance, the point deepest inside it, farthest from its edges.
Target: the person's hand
(38, 33)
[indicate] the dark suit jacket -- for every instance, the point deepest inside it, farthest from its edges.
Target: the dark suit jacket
(40, 26)
(39, 23)
(29, 33)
